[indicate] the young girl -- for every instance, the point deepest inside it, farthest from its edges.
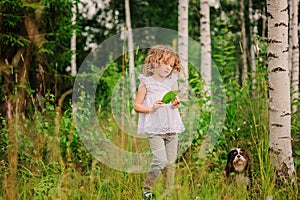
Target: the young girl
(161, 122)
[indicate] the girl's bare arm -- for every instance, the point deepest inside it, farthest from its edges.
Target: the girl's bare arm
(138, 104)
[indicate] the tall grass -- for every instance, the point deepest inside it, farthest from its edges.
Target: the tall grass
(73, 173)
(41, 176)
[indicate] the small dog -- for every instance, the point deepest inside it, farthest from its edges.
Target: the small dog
(238, 166)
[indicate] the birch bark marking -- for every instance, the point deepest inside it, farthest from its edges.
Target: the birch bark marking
(205, 45)
(183, 6)
(279, 88)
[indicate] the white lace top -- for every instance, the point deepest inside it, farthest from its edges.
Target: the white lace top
(165, 119)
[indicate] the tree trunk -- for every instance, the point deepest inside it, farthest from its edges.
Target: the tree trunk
(12, 153)
(32, 25)
(290, 37)
(264, 32)
(244, 44)
(205, 45)
(16, 101)
(15, 106)
(183, 41)
(73, 42)
(130, 50)
(279, 89)
(295, 52)
(252, 48)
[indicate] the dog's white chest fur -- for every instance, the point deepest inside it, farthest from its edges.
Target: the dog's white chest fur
(241, 179)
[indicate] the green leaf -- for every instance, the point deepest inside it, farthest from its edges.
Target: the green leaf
(169, 96)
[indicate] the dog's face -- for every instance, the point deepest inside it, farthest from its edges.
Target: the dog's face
(238, 161)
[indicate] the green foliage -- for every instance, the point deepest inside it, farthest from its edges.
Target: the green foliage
(3, 145)
(225, 54)
(40, 176)
(295, 132)
(152, 12)
(107, 83)
(57, 27)
(42, 57)
(53, 20)
(73, 173)
(10, 22)
(199, 97)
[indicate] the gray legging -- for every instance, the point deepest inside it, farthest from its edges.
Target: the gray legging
(164, 149)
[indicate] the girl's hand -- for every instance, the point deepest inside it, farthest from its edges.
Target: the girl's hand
(175, 103)
(157, 104)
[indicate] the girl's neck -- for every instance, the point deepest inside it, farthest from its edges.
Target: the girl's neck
(158, 77)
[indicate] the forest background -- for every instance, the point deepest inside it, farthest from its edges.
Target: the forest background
(42, 155)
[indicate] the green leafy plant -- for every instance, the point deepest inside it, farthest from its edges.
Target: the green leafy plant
(187, 102)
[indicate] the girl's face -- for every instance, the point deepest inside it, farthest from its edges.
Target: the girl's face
(165, 70)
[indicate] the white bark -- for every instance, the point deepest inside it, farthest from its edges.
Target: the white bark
(73, 49)
(290, 37)
(130, 50)
(205, 45)
(73, 43)
(263, 31)
(279, 89)
(252, 48)
(295, 52)
(183, 45)
(244, 44)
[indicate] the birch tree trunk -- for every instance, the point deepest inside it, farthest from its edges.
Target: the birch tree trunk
(205, 45)
(73, 43)
(73, 49)
(295, 52)
(279, 89)
(130, 50)
(263, 31)
(183, 44)
(244, 44)
(252, 47)
(290, 38)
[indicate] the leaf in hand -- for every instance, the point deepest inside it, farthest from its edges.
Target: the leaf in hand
(169, 96)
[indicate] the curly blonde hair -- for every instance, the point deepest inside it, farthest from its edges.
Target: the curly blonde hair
(158, 55)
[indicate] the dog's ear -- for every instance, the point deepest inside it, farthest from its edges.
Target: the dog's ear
(248, 167)
(228, 168)
(247, 157)
(246, 154)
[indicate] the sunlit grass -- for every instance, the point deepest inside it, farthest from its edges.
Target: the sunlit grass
(41, 175)
(204, 181)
